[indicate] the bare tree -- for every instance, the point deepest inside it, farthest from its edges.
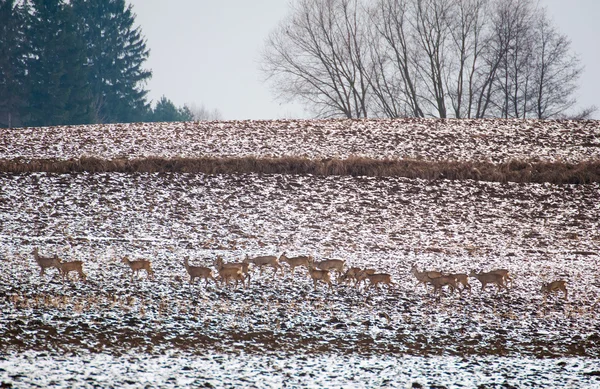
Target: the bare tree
(501, 36)
(202, 113)
(317, 55)
(431, 24)
(467, 29)
(440, 58)
(555, 72)
(394, 80)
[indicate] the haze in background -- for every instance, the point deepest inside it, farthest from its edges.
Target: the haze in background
(207, 53)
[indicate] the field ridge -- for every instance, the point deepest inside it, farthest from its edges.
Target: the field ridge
(523, 171)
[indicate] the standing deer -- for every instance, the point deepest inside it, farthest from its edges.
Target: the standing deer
(554, 286)
(198, 272)
(489, 278)
(66, 267)
(243, 266)
(266, 260)
(441, 281)
(362, 275)
(379, 278)
(425, 276)
(294, 262)
(230, 271)
(462, 279)
(331, 264)
(44, 262)
(137, 265)
(505, 276)
(319, 275)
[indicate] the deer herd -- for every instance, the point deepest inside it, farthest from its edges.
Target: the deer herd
(318, 271)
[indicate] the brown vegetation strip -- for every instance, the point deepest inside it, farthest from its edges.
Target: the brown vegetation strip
(513, 171)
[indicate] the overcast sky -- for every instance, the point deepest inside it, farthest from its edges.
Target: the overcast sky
(207, 52)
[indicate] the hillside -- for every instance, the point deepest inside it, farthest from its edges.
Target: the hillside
(132, 200)
(489, 150)
(490, 140)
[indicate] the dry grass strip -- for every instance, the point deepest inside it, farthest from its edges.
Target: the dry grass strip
(512, 171)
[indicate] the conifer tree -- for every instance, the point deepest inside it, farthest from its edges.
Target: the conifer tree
(57, 71)
(12, 62)
(116, 51)
(166, 111)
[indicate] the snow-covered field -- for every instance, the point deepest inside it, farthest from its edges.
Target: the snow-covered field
(114, 332)
(268, 371)
(539, 232)
(492, 140)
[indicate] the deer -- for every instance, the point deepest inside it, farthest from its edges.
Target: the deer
(233, 271)
(331, 264)
(265, 260)
(44, 262)
(294, 262)
(379, 278)
(198, 272)
(243, 266)
(554, 286)
(319, 275)
(350, 275)
(461, 278)
(441, 281)
(489, 278)
(505, 275)
(138, 265)
(66, 267)
(425, 276)
(362, 276)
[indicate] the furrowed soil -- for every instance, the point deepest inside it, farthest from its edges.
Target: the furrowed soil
(164, 332)
(150, 191)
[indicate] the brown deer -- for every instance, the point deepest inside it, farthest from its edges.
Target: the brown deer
(423, 277)
(319, 275)
(554, 286)
(379, 278)
(489, 278)
(198, 272)
(462, 279)
(137, 265)
(441, 281)
(44, 262)
(230, 271)
(66, 267)
(331, 264)
(362, 276)
(294, 262)
(350, 275)
(243, 266)
(265, 260)
(505, 275)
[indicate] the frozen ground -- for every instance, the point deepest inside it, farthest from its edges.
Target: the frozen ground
(430, 139)
(281, 329)
(113, 332)
(267, 371)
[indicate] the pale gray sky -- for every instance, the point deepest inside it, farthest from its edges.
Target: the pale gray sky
(207, 52)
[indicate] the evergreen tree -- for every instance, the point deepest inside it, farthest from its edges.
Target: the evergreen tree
(59, 91)
(12, 62)
(166, 111)
(116, 51)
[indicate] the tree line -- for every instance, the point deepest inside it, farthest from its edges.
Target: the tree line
(75, 62)
(423, 58)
